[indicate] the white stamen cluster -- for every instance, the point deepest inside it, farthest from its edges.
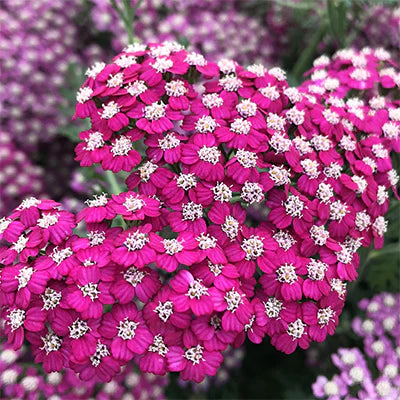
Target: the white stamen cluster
(90, 290)
(99, 200)
(222, 192)
(216, 322)
(146, 170)
(115, 80)
(253, 247)
(170, 141)
(24, 276)
(391, 130)
(321, 143)
(252, 192)
(280, 175)
(109, 110)
(270, 92)
(316, 270)
(47, 220)
(360, 74)
(278, 73)
(331, 116)
(275, 122)
(175, 88)
(363, 221)
(216, 269)
(338, 286)
(136, 88)
(211, 100)
(319, 235)
(344, 256)
(155, 111)
(230, 227)
(194, 58)
(295, 116)
(206, 241)
(172, 246)
(286, 273)
(302, 145)
(133, 203)
(78, 329)
(4, 223)
(58, 256)
(161, 65)
(381, 195)
(273, 307)
(192, 211)
(101, 351)
(296, 329)
(209, 154)
(84, 94)
(294, 206)
(95, 69)
(158, 346)
(121, 147)
(380, 225)
(186, 181)
(16, 318)
(51, 299)
(347, 143)
(246, 159)
(96, 238)
(233, 300)
(51, 342)
(240, 126)
(246, 108)
(136, 241)
(164, 310)
(206, 124)
(127, 328)
(338, 210)
(94, 141)
(325, 315)
(324, 192)
(280, 143)
(379, 151)
(310, 167)
(134, 276)
(227, 66)
(361, 183)
(125, 61)
(196, 290)
(334, 170)
(284, 239)
(194, 354)
(293, 95)
(20, 244)
(230, 83)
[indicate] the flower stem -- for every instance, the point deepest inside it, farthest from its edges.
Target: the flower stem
(113, 183)
(127, 14)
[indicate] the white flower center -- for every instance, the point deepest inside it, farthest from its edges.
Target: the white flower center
(136, 88)
(246, 159)
(158, 346)
(230, 227)
(240, 126)
(51, 299)
(194, 354)
(338, 210)
(51, 342)
(127, 328)
(252, 192)
(284, 239)
(154, 111)
(134, 276)
(186, 181)
(164, 310)
(222, 192)
(90, 290)
(16, 318)
(324, 315)
(146, 170)
(253, 247)
(279, 143)
(296, 329)
(78, 329)
(380, 226)
(302, 146)
(170, 141)
(133, 203)
(83, 94)
(295, 116)
(94, 141)
(324, 192)
(197, 290)
(230, 83)
(316, 270)
(246, 108)
(101, 351)
(332, 117)
(270, 92)
(162, 64)
(363, 221)
(212, 100)
(206, 124)
(175, 88)
(273, 307)
(209, 154)
(24, 276)
(100, 200)
(110, 110)
(136, 241)
(206, 241)
(216, 269)
(95, 69)
(321, 143)
(192, 211)
(275, 122)
(58, 256)
(391, 130)
(233, 300)
(334, 170)
(294, 206)
(286, 274)
(319, 235)
(115, 80)
(195, 59)
(338, 286)
(121, 147)
(172, 246)
(20, 244)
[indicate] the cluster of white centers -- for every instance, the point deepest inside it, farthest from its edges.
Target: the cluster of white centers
(136, 241)
(197, 290)
(233, 300)
(164, 310)
(195, 354)
(253, 247)
(78, 329)
(192, 211)
(127, 328)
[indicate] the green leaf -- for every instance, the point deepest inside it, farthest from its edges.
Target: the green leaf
(337, 10)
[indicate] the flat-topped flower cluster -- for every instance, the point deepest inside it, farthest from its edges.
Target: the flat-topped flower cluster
(188, 273)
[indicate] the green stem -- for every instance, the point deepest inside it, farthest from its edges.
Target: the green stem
(127, 15)
(112, 181)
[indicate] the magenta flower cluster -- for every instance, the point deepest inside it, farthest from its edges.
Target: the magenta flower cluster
(187, 273)
(358, 379)
(18, 381)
